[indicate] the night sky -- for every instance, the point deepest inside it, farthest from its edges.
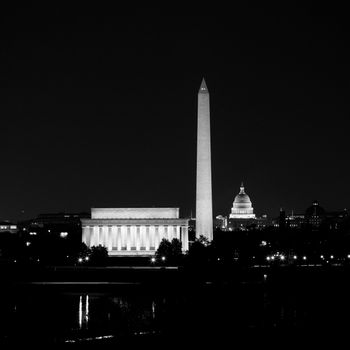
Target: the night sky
(98, 109)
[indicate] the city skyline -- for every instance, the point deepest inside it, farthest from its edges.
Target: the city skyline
(174, 178)
(100, 111)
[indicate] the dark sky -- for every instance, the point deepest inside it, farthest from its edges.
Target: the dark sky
(98, 109)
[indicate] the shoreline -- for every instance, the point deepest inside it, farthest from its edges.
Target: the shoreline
(165, 275)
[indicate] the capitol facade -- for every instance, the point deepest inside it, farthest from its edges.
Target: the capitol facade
(242, 206)
(242, 212)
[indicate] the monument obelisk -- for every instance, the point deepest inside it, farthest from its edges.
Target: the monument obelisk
(204, 211)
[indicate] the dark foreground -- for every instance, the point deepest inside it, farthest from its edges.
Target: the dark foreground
(165, 307)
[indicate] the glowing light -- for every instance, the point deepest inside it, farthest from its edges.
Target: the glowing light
(163, 258)
(32, 233)
(331, 256)
(304, 257)
(322, 257)
(63, 234)
(79, 340)
(87, 258)
(263, 243)
(153, 309)
(27, 244)
(268, 258)
(282, 257)
(87, 309)
(80, 312)
(295, 257)
(80, 259)
(153, 259)
(348, 256)
(272, 258)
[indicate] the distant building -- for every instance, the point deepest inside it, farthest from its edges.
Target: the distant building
(133, 231)
(295, 220)
(7, 226)
(220, 222)
(60, 224)
(315, 215)
(191, 229)
(335, 219)
(262, 222)
(282, 220)
(242, 213)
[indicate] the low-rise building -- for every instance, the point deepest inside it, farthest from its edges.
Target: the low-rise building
(133, 231)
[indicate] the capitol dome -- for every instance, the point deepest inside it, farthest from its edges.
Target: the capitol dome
(242, 206)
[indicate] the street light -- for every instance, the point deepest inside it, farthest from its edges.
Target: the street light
(163, 258)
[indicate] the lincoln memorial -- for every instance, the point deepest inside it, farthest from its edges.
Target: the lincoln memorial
(133, 231)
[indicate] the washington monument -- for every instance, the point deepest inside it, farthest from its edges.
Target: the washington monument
(204, 211)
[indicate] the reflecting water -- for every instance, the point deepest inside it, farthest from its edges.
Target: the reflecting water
(66, 315)
(84, 314)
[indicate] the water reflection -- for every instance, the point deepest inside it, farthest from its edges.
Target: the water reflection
(83, 312)
(153, 310)
(63, 315)
(102, 314)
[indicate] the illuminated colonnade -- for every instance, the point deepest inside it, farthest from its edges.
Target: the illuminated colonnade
(133, 231)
